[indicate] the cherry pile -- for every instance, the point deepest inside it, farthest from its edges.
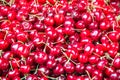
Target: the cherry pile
(59, 39)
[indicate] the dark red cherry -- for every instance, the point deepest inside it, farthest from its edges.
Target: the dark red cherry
(4, 64)
(41, 57)
(69, 67)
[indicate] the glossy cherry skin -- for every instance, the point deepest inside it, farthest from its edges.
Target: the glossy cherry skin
(32, 77)
(73, 52)
(80, 25)
(13, 73)
(109, 71)
(88, 49)
(25, 69)
(114, 76)
(4, 64)
(69, 67)
(41, 57)
(116, 62)
(16, 78)
(71, 77)
(80, 68)
(101, 64)
(93, 59)
(58, 70)
(43, 70)
(97, 74)
(86, 17)
(82, 58)
(7, 55)
(49, 21)
(59, 19)
(3, 44)
(51, 64)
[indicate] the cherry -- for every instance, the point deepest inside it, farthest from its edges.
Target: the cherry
(89, 68)
(51, 64)
(72, 52)
(80, 68)
(58, 70)
(7, 55)
(80, 25)
(113, 36)
(15, 62)
(11, 15)
(93, 59)
(109, 71)
(32, 77)
(26, 25)
(42, 70)
(49, 21)
(116, 62)
(25, 69)
(3, 44)
(88, 49)
(71, 77)
(69, 67)
(4, 64)
(41, 57)
(83, 58)
(68, 30)
(16, 78)
(104, 25)
(39, 26)
(101, 64)
(114, 76)
(97, 74)
(85, 33)
(42, 1)
(22, 36)
(13, 73)
(86, 17)
(59, 19)
(93, 25)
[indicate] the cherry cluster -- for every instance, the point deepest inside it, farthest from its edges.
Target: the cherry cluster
(59, 39)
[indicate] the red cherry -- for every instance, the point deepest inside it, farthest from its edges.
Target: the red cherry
(116, 62)
(25, 69)
(69, 67)
(41, 57)
(3, 44)
(4, 64)
(83, 58)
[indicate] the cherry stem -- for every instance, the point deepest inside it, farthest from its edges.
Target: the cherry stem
(0, 53)
(36, 69)
(11, 2)
(69, 58)
(49, 77)
(5, 34)
(44, 50)
(4, 2)
(23, 59)
(16, 62)
(10, 65)
(108, 38)
(88, 75)
(108, 56)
